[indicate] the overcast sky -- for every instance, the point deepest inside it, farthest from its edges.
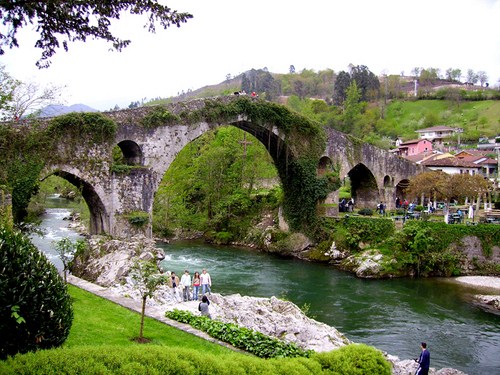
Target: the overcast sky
(230, 37)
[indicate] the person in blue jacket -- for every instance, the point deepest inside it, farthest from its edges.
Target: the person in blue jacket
(424, 361)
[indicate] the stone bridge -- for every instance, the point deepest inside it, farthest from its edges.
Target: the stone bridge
(116, 198)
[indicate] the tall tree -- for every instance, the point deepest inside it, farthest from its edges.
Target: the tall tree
(342, 83)
(74, 20)
(352, 107)
(366, 81)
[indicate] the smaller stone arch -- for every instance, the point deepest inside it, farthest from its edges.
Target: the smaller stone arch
(364, 188)
(131, 152)
(99, 217)
(324, 165)
(401, 188)
(388, 181)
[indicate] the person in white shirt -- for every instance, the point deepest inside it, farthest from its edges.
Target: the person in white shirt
(206, 282)
(186, 283)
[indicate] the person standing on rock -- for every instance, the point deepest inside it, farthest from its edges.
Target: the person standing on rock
(424, 361)
(173, 282)
(186, 283)
(196, 285)
(206, 282)
(203, 307)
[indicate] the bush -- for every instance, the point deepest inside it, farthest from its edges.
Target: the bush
(366, 212)
(354, 359)
(154, 359)
(35, 308)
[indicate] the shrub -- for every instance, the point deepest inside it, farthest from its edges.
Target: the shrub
(366, 212)
(354, 359)
(154, 359)
(35, 308)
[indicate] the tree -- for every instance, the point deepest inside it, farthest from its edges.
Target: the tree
(342, 83)
(431, 184)
(20, 98)
(483, 77)
(471, 76)
(352, 108)
(416, 72)
(66, 250)
(453, 74)
(366, 81)
(145, 274)
(75, 20)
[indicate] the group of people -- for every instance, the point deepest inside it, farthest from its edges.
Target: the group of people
(199, 283)
(346, 206)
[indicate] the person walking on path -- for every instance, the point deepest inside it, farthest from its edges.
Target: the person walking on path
(206, 282)
(186, 283)
(203, 307)
(424, 361)
(196, 285)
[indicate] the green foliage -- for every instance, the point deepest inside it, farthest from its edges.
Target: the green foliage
(36, 311)
(66, 249)
(354, 359)
(240, 337)
(302, 190)
(350, 231)
(74, 22)
(425, 247)
(159, 116)
(137, 218)
(83, 126)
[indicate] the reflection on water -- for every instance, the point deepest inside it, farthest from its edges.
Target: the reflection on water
(392, 315)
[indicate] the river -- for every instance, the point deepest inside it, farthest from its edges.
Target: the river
(392, 315)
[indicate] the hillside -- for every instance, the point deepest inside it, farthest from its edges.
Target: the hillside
(392, 112)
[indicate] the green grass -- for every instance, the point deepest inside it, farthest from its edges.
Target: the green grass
(99, 322)
(477, 118)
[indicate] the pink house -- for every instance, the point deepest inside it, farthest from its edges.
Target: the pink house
(414, 147)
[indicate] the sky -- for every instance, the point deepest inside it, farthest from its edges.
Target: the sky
(230, 37)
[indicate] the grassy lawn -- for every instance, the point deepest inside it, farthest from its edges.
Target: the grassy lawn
(99, 322)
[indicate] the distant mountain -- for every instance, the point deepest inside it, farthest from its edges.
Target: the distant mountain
(57, 109)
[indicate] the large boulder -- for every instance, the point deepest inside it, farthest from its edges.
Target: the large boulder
(107, 262)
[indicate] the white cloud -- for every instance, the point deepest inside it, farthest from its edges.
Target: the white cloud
(229, 37)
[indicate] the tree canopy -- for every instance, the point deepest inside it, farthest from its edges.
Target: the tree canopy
(75, 20)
